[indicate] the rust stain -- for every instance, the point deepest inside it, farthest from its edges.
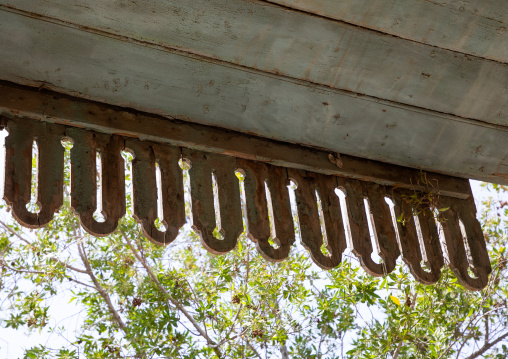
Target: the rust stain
(335, 159)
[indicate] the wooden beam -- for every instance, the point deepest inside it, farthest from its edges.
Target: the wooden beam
(475, 27)
(22, 102)
(194, 88)
(273, 39)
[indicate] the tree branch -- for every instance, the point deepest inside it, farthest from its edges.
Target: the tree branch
(487, 346)
(487, 328)
(77, 281)
(474, 320)
(69, 266)
(173, 301)
(399, 347)
(228, 339)
(99, 288)
(254, 349)
(15, 233)
(2, 263)
(284, 352)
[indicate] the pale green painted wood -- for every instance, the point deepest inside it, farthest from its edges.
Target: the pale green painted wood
(273, 39)
(122, 73)
(476, 27)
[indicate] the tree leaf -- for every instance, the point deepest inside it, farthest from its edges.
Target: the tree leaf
(395, 300)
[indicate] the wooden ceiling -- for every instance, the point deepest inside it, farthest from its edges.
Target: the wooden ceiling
(422, 84)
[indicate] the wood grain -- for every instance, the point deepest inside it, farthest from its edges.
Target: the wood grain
(256, 102)
(18, 171)
(145, 195)
(309, 187)
(356, 192)
(261, 36)
(258, 174)
(473, 27)
(204, 215)
(412, 253)
(48, 106)
(381, 219)
(465, 251)
(83, 179)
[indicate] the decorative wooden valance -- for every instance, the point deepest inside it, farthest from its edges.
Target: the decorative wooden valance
(154, 141)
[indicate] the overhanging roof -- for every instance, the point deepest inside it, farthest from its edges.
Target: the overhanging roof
(417, 84)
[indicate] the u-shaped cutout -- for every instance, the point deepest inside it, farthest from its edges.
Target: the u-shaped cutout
(360, 236)
(17, 191)
(385, 234)
(465, 210)
(411, 251)
(83, 179)
(308, 215)
(145, 189)
(203, 166)
(258, 223)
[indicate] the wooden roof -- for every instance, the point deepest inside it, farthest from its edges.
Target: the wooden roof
(422, 84)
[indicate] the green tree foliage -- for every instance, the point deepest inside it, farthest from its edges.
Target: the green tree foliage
(146, 301)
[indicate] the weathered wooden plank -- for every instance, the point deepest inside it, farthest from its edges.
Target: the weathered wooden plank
(47, 106)
(146, 155)
(465, 251)
(83, 180)
(309, 187)
(227, 219)
(362, 247)
(18, 171)
(408, 233)
(258, 174)
(475, 27)
(385, 235)
(253, 102)
(430, 234)
(273, 39)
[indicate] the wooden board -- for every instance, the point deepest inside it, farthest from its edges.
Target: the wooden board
(50, 107)
(273, 39)
(148, 78)
(475, 27)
